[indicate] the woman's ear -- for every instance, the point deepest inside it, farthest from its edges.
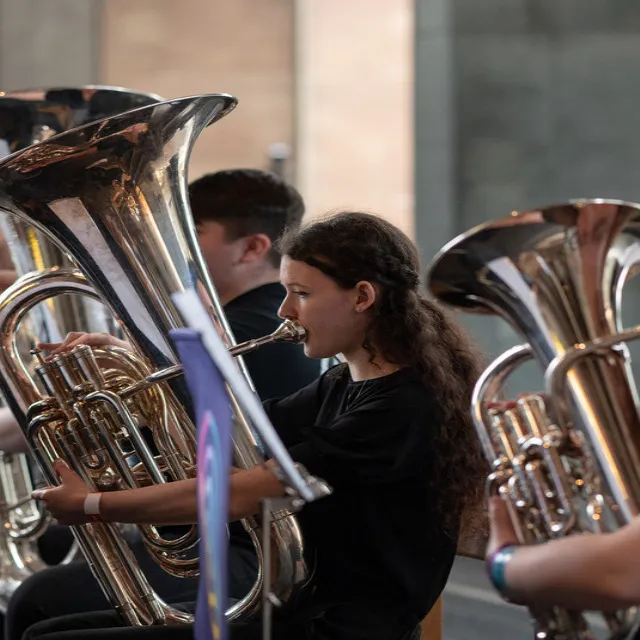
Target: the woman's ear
(366, 296)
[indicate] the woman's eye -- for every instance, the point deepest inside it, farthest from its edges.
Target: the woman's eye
(301, 294)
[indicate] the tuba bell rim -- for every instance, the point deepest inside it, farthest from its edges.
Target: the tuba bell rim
(437, 280)
(227, 101)
(40, 93)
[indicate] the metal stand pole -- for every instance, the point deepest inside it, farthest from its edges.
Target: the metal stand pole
(269, 600)
(266, 570)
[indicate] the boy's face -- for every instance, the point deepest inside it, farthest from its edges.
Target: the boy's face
(220, 254)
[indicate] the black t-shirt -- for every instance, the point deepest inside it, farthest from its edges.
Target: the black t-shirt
(381, 550)
(279, 369)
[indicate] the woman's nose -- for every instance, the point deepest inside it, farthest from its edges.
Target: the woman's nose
(286, 311)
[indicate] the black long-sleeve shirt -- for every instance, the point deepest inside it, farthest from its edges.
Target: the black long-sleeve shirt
(382, 555)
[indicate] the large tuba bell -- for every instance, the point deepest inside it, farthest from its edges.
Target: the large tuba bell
(113, 195)
(28, 117)
(33, 115)
(566, 461)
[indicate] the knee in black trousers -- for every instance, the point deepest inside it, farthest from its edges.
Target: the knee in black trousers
(102, 625)
(72, 588)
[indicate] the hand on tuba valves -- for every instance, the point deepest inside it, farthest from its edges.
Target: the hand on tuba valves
(75, 338)
(107, 423)
(66, 502)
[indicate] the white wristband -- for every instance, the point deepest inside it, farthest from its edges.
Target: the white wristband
(92, 504)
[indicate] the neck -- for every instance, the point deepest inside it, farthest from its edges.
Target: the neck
(362, 368)
(236, 289)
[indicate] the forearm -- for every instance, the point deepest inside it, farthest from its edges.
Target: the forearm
(579, 572)
(176, 502)
(168, 504)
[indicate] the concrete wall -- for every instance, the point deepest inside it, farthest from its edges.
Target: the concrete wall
(522, 103)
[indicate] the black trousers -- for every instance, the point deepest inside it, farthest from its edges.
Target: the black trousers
(66, 603)
(53, 547)
(102, 624)
(72, 590)
(106, 625)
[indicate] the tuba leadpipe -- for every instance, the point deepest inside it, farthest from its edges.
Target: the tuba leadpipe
(288, 331)
(566, 460)
(113, 195)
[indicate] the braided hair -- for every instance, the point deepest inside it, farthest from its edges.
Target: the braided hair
(409, 330)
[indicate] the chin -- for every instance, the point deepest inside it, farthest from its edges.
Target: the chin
(312, 352)
(308, 351)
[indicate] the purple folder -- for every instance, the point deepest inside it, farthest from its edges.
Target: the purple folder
(213, 418)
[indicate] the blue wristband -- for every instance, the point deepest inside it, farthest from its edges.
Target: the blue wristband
(496, 566)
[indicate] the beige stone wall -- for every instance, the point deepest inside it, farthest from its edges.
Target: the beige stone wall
(242, 47)
(355, 106)
(331, 78)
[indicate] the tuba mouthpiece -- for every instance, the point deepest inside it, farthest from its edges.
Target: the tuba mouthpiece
(290, 331)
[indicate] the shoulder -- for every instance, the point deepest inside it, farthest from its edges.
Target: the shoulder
(409, 392)
(402, 390)
(397, 413)
(338, 373)
(386, 407)
(385, 436)
(334, 379)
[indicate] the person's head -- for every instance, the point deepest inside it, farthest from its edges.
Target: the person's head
(239, 215)
(353, 282)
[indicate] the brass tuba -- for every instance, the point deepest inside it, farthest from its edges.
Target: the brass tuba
(113, 195)
(27, 117)
(566, 460)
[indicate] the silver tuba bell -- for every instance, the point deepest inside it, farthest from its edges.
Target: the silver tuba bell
(113, 195)
(30, 116)
(565, 460)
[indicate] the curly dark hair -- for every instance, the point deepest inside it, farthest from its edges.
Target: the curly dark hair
(247, 201)
(410, 330)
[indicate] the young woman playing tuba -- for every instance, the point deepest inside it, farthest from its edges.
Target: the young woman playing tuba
(389, 430)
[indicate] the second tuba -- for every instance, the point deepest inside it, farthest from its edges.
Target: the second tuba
(566, 460)
(113, 195)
